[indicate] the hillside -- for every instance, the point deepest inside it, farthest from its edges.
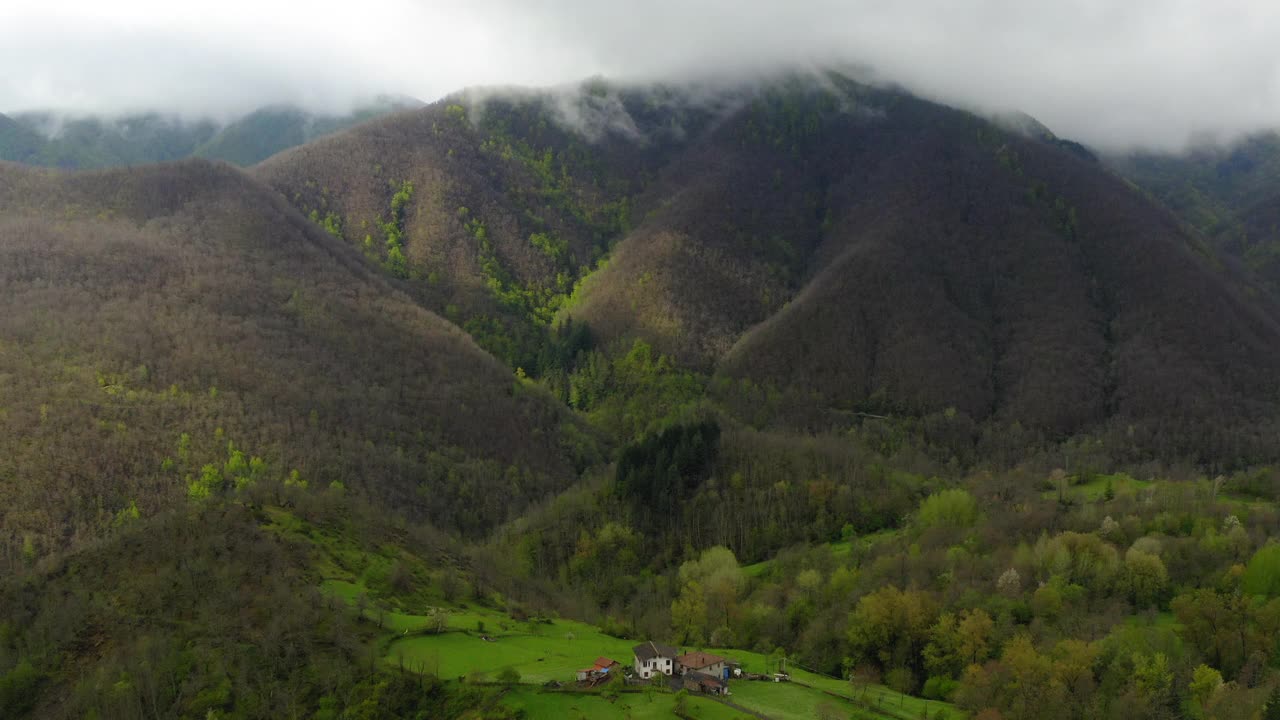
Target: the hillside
(178, 329)
(492, 214)
(1005, 277)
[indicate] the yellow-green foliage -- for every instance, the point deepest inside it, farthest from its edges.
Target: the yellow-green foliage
(954, 508)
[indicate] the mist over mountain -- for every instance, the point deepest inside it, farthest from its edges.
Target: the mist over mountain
(1111, 76)
(53, 139)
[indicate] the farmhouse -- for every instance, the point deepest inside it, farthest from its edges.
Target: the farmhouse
(603, 666)
(702, 662)
(655, 659)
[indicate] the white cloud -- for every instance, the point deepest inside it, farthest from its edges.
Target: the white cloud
(1148, 72)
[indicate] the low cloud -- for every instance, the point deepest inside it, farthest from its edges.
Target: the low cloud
(1147, 73)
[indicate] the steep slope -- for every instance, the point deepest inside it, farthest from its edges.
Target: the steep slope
(180, 323)
(729, 225)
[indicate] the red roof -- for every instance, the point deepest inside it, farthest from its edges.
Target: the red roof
(602, 664)
(699, 660)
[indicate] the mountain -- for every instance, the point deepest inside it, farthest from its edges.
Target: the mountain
(98, 142)
(267, 131)
(86, 142)
(178, 329)
(419, 417)
(864, 249)
(1009, 280)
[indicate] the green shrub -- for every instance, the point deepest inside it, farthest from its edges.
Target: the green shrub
(954, 508)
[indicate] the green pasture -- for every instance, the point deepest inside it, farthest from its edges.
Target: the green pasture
(539, 705)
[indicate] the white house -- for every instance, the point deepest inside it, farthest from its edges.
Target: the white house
(655, 659)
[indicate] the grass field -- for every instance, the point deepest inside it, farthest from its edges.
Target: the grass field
(1094, 490)
(538, 658)
(539, 705)
(839, 550)
(761, 696)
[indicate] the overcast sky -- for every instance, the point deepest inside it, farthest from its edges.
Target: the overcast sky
(1109, 72)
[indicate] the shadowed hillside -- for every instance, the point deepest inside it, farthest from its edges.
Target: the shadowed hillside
(180, 331)
(1010, 280)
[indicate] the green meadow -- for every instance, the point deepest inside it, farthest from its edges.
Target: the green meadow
(473, 644)
(543, 651)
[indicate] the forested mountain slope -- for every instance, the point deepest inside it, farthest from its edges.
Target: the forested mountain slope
(179, 330)
(1009, 279)
(872, 251)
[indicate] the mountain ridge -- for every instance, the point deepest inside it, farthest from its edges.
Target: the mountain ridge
(89, 141)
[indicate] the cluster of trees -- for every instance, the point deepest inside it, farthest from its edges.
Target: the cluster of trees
(658, 474)
(1074, 597)
(393, 230)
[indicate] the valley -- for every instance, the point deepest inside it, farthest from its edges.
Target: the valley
(422, 415)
